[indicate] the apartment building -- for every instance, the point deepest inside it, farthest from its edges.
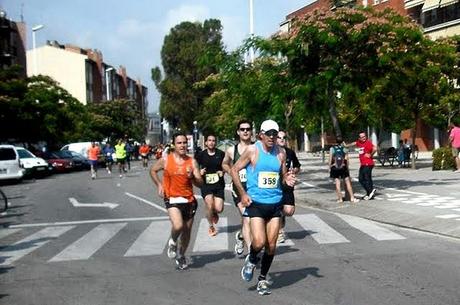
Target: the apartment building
(12, 42)
(438, 18)
(85, 75)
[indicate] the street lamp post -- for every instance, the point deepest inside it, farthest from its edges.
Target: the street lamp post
(107, 71)
(35, 29)
(195, 136)
(251, 28)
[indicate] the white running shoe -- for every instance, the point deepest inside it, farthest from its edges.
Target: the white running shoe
(262, 287)
(172, 248)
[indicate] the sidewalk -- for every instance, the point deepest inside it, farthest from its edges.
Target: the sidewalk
(419, 199)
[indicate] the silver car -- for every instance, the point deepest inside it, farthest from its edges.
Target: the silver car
(10, 165)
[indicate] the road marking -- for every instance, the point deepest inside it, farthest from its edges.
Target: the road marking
(204, 242)
(30, 244)
(148, 202)
(319, 230)
(448, 216)
(6, 232)
(370, 228)
(77, 204)
(89, 243)
(79, 222)
(151, 241)
(308, 184)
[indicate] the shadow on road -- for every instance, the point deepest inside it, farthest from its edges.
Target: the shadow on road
(202, 260)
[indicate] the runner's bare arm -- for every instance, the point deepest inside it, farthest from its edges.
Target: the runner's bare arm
(196, 178)
(227, 162)
(242, 162)
(154, 169)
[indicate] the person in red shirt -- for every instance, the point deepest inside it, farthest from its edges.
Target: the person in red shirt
(366, 152)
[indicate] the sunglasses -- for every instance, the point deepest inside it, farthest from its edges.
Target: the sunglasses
(282, 138)
(271, 133)
(245, 129)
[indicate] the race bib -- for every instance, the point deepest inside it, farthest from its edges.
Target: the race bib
(268, 180)
(242, 174)
(212, 178)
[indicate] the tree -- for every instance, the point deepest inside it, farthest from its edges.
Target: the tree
(190, 53)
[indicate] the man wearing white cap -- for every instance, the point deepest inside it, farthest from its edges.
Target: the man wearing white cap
(266, 171)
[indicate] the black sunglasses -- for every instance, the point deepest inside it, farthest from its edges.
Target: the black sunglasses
(245, 129)
(271, 133)
(282, 138)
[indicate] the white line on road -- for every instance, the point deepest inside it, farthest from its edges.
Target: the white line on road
(6, 232)
(151, 241)
(448, 216)
(319, 230)
(89, 243)
(308, 184)
(79, 222)
(146, 201)
(204, 242)
(370, 228)
(31, 243)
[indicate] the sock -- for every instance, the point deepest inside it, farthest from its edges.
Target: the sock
(267, 260)
(253, 255)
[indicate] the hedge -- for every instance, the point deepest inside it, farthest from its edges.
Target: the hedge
(443, 159)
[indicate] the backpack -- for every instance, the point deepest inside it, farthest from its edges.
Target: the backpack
(339, 157)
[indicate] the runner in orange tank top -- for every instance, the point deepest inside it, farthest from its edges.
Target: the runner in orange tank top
(180, 172)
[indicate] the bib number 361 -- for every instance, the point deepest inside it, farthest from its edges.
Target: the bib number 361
(268, 180)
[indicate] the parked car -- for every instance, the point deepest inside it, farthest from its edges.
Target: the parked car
(32, 165)
(79, 161)
(10, 166)
(60, 164)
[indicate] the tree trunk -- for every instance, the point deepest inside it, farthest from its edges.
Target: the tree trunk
(333, 111)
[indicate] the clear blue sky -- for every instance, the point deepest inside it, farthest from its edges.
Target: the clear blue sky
(131, 33)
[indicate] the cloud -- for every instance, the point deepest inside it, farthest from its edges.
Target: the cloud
(185, 13)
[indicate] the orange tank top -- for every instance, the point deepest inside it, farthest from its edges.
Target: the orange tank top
(176, 182)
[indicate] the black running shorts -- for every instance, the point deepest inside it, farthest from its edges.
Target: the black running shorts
(187, 210)
(265, 211)
(339, 173)
(216, 192)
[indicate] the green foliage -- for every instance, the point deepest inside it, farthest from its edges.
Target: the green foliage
(190, 53)
(443, 159)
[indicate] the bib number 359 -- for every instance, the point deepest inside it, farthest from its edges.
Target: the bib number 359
(268, 180)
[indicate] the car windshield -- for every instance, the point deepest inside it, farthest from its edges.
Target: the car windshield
(24, 154)
(7, 154)
(63, 154)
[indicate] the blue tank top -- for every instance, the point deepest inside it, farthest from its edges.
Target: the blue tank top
(264, 179)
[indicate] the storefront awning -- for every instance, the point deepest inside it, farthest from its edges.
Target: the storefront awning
(430, 5)
(444, 3)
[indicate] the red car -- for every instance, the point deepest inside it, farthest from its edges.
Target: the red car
(58, 163)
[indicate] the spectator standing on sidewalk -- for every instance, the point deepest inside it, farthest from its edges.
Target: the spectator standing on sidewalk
(454, 140)
(366, 153)
(292, 165)
(338, 164)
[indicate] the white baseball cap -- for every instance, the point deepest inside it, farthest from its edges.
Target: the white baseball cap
(269, 125)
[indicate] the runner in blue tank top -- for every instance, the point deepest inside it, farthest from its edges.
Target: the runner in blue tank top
(265, 164)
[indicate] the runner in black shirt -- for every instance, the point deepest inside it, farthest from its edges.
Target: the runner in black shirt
(210, 162)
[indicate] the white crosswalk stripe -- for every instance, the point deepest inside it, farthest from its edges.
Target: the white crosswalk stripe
(319, 230)
(152, 241)
(370, 228)
(204, 242)
(29, 244)
(87, 245)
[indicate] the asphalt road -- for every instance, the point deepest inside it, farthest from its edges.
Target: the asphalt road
(56, 250)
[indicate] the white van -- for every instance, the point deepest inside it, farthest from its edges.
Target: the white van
(10, 166)
(80, 147)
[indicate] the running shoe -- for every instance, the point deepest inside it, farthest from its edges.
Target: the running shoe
(262, 287)
(366, 197)
(212, 231)
(248, 270)
(172, 248)
(239, 248)
(281, 236)
(372, 194)
(181, 263)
